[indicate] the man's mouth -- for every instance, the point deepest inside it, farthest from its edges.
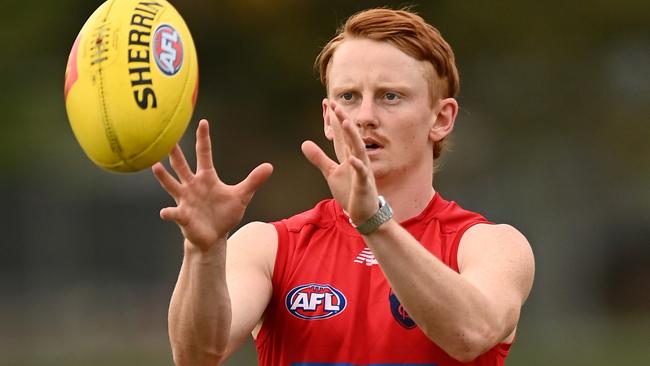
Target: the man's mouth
(371, 144)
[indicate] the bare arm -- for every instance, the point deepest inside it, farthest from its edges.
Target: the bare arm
(200, 315)
(465, 314)
(200, 310)
(249, 269)
(216, 304)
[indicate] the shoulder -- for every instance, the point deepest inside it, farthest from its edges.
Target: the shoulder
(489, 248)
(452, 217)
(485, 238)
(256, 231)
(495, 234)
(254, 244)
(500, 230)
(322, 215)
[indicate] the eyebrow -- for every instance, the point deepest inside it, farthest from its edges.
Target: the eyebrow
(380, 86)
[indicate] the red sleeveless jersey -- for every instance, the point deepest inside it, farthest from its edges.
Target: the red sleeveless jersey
(332, 304)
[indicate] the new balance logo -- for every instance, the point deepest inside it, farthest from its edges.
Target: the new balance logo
(366, 257)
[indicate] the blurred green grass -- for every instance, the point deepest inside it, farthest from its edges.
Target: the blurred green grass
(584, 342)
(597, 342)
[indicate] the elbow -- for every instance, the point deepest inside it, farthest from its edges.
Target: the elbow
(465, 351)
(190, 356)
(465, 345)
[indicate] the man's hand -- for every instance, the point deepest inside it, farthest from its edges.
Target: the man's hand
(351, 181)
(206, 208)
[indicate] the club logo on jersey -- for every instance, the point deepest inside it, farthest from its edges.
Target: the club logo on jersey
(399, 313)
(315, 301)
(167, 49)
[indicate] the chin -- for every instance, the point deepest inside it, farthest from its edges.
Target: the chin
(379, 170)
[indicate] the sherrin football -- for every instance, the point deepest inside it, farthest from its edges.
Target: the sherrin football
(131, 83)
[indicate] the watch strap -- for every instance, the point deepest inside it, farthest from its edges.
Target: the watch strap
(382, 215)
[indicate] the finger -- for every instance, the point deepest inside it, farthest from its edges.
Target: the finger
(203, 147)
(333, 105)
(318, 158)
(361, 169)
(353, 141)
(174, 214)
(340, 116)
(339, 113)
(254, 180)
(179, 163)
(166, 180)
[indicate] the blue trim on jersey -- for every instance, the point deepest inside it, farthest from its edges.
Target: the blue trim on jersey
(351, 364)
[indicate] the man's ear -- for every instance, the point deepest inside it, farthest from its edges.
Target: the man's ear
(327, 126)
(445, 118)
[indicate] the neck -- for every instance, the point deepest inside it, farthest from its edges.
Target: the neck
(408, 195)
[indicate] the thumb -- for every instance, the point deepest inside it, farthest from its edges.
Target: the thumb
(318, 158)
(254, 180)
(174, 214)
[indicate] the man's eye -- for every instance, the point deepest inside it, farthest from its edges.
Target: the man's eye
(347, 96)
(391, 96)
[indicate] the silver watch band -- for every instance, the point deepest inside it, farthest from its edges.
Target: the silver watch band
(383, 214)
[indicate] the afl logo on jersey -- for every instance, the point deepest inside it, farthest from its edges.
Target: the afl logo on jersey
(315, 301)
(167, 49)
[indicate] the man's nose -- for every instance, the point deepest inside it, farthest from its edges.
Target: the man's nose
(366, 114)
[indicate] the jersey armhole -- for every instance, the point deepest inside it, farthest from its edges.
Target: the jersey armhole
(276, 280)
(453, 252)
(281, 256)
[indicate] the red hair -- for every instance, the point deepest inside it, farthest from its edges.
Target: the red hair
(412, 35)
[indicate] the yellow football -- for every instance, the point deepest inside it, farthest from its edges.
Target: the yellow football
(131, 83)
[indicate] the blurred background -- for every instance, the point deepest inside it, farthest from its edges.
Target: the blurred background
(552, 137)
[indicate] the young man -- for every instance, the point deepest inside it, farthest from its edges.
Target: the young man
(386, 272)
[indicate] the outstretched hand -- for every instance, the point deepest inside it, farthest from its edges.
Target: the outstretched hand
(351, 181)
(206, 208)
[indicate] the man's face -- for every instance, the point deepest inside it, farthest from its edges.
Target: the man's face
(386, 93)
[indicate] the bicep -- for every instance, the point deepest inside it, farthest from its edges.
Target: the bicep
(498, 261)
(249, 268)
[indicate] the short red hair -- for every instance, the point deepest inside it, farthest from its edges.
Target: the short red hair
(412, 35)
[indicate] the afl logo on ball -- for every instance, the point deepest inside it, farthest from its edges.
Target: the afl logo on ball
(315, 301)
(167, 49)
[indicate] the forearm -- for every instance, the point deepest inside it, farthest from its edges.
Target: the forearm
(447, 308)
(200, 310)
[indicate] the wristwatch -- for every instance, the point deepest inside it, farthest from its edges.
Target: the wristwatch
(383, 214)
